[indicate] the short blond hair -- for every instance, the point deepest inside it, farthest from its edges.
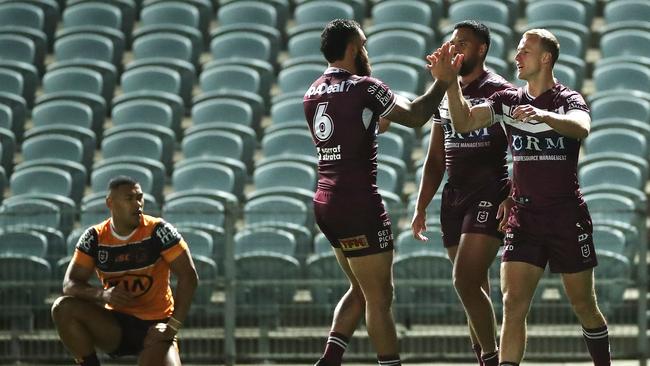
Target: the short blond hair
(549, 42)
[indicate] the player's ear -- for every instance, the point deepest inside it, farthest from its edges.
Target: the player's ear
(482, 50)
(109, 201)
(547, 58)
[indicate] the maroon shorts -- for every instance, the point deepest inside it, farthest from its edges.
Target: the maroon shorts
(358, 224)
(471, 212)
(561, 237)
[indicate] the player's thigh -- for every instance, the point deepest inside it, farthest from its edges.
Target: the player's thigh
(102, 325)
(160, 354)
(579, 286)
(345, 266)
(519, 281)
(475, 254)
(375, 274)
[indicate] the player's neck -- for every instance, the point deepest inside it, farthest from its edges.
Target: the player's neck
(342, 64)
(122, 229)
(540, 83)
(469, 78)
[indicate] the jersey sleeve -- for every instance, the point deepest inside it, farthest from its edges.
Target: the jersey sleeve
(378, 96)
(574, 101)
(170, 240)
(495, 101)
(86, 249)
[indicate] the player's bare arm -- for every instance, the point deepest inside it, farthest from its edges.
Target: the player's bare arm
(75, 284)
(433, 171)
(419, 111)
(183, 269)
(574, 124)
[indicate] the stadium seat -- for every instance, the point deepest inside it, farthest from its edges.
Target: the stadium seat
(402, 79)
(157, 78)
(319, 13)
(609, 239)
(30, 212)
(285, 174)
(296, 80)
(625, 45)
(418, 302)
(605, 206)
(186, 71)
(204, 177)
(619, 106)
(242, 45)
(19, 301)
(494, 14)
(305, 44)
(288, 113)
(572, 11)
(93, 212)
(613, 276)
(277, 209)
(5, 116)
(207, 269)
(265, 239)
(41, 180)
(612, 172)
(638, 162)
(62, 112)
(397, 46)
(246, 134)
(75, 79)
(321, 268)
(255, 12)
(237, 81)
(11, 82)
(259, 302)
(566, 76)
(171, 13)
(89, 50)
(289, 143)
(85, 135)
(223, 110)
(53, 146)
(426, 13)
(195, 209)
(620, 140)
(624, 75)
(391, 144)
(102, 175)
(626, 14)
(199, 241)
(145, 110)
(165, 45)
(51, 15)
(388, 180)
(217, 236)
(18, 53)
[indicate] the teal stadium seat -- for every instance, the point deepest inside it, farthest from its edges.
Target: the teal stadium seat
(30, 212)
(17, 300)
(18, 53)
(19, 242)
(102, 175)
(234, 81)
(626, 14)
(51, 15)
(612, 172)
(204, 177)
(177, 17)
(397, 46)
(288, 113)
(619, 106)
(194, 209)
(277, 209)
(85, 135)
(265, 239)
(624, 75)
(285, 174)
(199, 241)
(245, 133)
(619, 140)
(625, 45)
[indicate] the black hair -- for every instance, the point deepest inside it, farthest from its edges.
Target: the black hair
(479, 29)
(121, 180)
(336, 36)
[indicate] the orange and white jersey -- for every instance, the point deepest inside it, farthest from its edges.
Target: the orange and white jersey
(139, 263)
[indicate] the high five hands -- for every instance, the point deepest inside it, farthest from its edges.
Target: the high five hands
(444, 63)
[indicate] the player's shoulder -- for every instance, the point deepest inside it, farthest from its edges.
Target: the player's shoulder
(162, 230)
(497, 81)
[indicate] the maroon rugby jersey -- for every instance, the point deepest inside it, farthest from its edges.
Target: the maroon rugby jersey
(545, 162)
(479, 157)
(342, 111)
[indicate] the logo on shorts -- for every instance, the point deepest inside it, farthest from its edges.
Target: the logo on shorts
(482, 216)
(586, 252)
(354, 243)
(485, 204)
(102, 256)
(583, 237)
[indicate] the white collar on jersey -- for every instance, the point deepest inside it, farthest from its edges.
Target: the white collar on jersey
(335, 70)
(121, 237)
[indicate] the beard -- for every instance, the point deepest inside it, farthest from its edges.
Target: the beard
(467, 66)
(363, 65)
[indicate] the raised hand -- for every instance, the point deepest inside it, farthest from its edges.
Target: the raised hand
(444, 64)
(526, 112)
(419, 225)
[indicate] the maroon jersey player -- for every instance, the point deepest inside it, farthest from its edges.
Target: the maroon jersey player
(477, 183)
(549, 222)
(342, 109)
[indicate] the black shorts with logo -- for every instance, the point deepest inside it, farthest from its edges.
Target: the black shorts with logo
(469, 211)
(358, 224)
(560, 236)
(133, 332)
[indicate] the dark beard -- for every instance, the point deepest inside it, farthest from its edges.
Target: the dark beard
(466, 67)
(363, 65)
